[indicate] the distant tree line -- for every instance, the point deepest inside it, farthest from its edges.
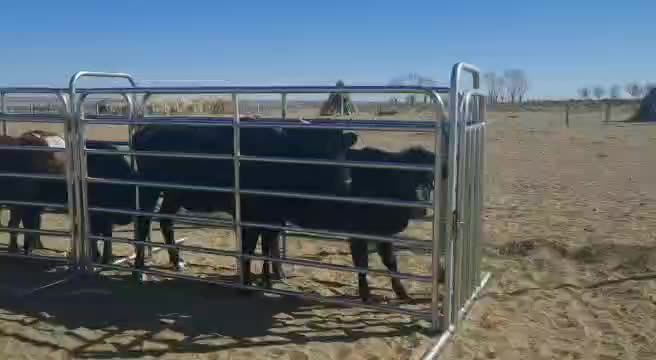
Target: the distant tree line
(511, 87)
(634, 89)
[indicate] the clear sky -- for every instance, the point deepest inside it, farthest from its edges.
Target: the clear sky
(562, 45)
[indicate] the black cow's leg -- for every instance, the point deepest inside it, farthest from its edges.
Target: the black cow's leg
(170, 205)
(278, 272)
(361, 259)
(248, 244)
(269, 242)
(107, 255)
(143, 227)
(15, 218)
(387, 256)
(32, 221)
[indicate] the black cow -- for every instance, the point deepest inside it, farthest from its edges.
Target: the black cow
(99, 195)
(291, 177)
(300, 143)
(408, 185)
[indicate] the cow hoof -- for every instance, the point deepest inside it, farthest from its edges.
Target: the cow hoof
(180, 266)
(139, 276)
(279, 276)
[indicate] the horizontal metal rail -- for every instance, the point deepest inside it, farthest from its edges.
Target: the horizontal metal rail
(134, 255)
(10, 203)
(234, 285)
(53, 258)
(164, 154)
(206, 221)
(267, 159)
(231, 90)
(353, 125)
(163, 90)
(32, 90)
(33, 231)
(287, 260)
(349, 199)
(214, 222)
(32, 118)
(397, 241)
(38, 176)
(32, 148)
(353, 164)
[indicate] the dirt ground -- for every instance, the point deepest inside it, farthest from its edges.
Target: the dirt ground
(570, 239)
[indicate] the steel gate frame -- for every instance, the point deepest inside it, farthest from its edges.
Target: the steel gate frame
(456, 206)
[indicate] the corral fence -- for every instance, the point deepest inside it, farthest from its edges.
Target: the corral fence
(456, 205)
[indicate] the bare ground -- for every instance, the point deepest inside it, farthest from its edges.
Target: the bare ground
(570, 229)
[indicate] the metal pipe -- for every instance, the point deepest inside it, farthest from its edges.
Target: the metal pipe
(236, 138)
(77, 168)
(307, 196)
(32, 148)
(460, 211)
(317, 298)
(3, 110)
(35, 257)
(240, 90)
(283, 111)
(269, 159)
(292, 261)
(134, 255)
(207, 221)
(481, 192)
(226, 89)
(82, 192)
(34, 203)
(29, 118)
(33, 176)
(34, 231)
(437, 214)
(354, 125)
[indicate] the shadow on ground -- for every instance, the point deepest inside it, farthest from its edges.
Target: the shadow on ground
(94, 312)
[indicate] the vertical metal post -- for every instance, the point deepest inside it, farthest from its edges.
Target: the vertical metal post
(284, 106)
(88, 247)
(73, 181)
(480, 186)
(607, 113)
(236, 154)
(461, 189)
(282, 236)
(468, 200)
(454, 181)
(3, 110)
(567, 114)
(438, 213)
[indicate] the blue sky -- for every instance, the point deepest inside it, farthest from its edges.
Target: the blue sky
(562, 45)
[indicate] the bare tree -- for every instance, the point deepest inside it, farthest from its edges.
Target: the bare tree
(501, 89)
(634, 89)
(491, 80)
(598, 92)
(615, 91)
(516, 84)
(584, 92)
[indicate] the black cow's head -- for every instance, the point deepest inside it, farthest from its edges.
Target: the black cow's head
(416, 185)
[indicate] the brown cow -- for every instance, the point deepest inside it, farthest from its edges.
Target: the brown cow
(23, 189)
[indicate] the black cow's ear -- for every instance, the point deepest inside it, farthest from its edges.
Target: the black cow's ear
(350, 139)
